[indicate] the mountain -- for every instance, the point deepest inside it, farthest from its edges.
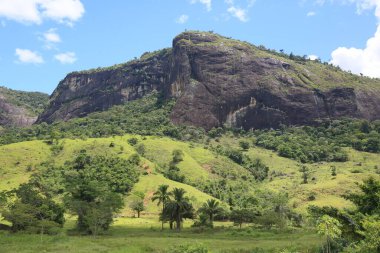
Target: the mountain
(219, 81)
(20, 108)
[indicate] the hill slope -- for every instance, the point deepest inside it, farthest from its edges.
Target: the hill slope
(201, 167)
(218, 81)
(20, 108)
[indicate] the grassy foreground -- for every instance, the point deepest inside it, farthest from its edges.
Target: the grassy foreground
(132, 235)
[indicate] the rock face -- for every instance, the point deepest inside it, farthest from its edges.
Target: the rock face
(219, 81)
(19, 108)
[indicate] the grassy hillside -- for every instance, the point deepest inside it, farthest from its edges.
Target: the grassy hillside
(199, 166)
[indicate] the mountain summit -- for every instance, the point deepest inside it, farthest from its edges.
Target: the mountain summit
(219, 81)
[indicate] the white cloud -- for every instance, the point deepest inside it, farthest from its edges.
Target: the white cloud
(366, 60)
(238, 13)
(51, 36)
(313, 57)
(206, 3)
(35, 11)
(311, 14)
(28, 56)
(182, 19)
(50, 39)
(66, 58)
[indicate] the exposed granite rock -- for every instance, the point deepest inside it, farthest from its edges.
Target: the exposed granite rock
(20, 108)
(219, 81)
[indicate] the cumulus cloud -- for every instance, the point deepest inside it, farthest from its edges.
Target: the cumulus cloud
(35, 11)
(66, 58)
(51, 36)
(238, 13)
(311, 14)
(28, 56)
(50, 39)
(366, 60)
(206, 3)
(182, 19)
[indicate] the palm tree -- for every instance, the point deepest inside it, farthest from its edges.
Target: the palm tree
(162, 195)
(211, 208)
(180, 207)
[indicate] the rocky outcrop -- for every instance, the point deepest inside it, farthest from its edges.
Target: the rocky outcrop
(19, 108)
(218, 81)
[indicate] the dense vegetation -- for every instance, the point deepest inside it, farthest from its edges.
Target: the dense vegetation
(89, 187)
(147, 116)
(324, 142)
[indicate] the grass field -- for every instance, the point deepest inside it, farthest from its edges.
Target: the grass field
(130, 235)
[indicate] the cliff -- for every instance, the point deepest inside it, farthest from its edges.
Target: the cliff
(220, 81)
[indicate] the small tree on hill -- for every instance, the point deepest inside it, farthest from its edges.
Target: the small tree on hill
(138, 206)
(330, 229)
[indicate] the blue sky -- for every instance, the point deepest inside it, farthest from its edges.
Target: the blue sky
(43, 40)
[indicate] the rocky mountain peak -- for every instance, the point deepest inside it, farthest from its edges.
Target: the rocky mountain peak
(219, 81)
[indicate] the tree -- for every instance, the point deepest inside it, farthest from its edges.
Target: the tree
(367, 202)
(305, 174)
(211, 208)
(162, 196)
(177, 156)
(179, 207)
(140, 148)
(244, 145)
(330, 228)
(94, 187)
(242, 215)
(371, 235)
(33, 210)
(138, 206)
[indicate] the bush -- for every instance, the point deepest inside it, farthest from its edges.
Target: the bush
(244, 145)
(133, 141)
(188, 248)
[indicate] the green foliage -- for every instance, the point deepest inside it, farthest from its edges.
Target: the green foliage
(244, 145)
(211, 208)
(137, 206)
(33, 102)
(178, 208)
(322, 143)
(367, 201)
(242, 215)
(32, 210)
(133, 141)
(162, 196)
(188, 248)
(177, 156)
(94, 188)
(330, 228)
(371, 236)
(146, 116)
(140, 148)
(173, 173)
